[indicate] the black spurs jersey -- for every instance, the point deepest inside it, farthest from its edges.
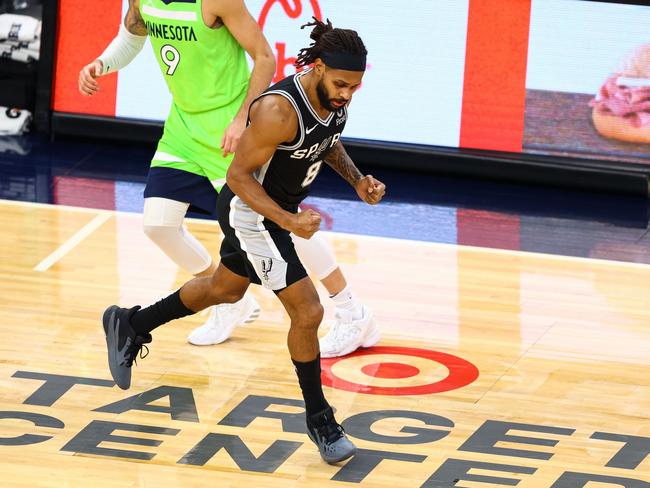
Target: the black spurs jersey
(295, 164)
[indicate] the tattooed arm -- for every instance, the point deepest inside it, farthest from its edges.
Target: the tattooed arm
(341, 162)
(368, 188)
(133, 21)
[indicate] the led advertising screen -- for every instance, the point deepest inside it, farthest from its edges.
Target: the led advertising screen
(533, 76)
(399, 44)
(588, 80)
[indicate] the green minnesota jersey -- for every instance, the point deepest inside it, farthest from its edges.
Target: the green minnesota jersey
(204, 68)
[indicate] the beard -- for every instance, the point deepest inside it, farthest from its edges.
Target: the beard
(324, 99)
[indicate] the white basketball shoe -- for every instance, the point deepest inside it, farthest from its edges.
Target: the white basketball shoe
(347, 335)
(223, 319)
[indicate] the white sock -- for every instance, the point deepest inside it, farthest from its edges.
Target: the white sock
(345, 300)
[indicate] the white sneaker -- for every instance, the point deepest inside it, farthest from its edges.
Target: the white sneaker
(347, 335)
(223, 319)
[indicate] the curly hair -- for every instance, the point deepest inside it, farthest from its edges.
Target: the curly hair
(328, 38)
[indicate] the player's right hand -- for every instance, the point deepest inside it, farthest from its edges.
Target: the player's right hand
(88, 84)
(305, 224)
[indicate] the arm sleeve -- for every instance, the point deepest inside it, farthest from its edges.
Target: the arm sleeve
(121, 51)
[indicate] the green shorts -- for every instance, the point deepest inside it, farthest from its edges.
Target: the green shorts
(191, 142)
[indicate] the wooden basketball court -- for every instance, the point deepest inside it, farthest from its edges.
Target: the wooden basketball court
(496, 368)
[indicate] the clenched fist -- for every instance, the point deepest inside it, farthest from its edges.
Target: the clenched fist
(370, 190)
(305, 224)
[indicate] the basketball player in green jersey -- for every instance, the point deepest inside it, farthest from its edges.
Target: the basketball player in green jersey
(200, 47)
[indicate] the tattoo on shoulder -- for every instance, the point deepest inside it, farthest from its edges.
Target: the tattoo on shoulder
(341, 162)
(134, 22)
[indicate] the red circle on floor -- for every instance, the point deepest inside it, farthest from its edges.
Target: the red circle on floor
(461, 372)
(390, 370)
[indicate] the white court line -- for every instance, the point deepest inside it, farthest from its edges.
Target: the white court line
(18, 203)
(71, 243)
(397, 240)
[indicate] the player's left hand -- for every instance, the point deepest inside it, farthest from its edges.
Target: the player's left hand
(231, 136)
(370, 190)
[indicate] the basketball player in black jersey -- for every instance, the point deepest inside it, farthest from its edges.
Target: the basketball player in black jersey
(294, 127)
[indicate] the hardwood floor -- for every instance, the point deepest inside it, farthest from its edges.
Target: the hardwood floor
(495, 368)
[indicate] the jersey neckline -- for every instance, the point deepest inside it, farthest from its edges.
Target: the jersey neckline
(303, 94)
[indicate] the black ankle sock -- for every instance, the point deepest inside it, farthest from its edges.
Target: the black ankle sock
(147, 319)
(311, 386)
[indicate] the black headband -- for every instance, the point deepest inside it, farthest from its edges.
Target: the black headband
(345, 61)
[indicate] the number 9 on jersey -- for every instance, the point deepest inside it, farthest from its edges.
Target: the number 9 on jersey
(171, 57)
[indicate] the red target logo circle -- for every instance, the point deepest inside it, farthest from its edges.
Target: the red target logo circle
(460, 372)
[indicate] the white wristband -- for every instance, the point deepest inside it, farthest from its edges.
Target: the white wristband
(121, 51)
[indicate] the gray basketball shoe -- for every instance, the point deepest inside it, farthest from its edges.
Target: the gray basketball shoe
(123, 343)
(328, 435)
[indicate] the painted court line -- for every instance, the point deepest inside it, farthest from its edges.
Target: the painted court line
(71, 243)
(425, 244)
